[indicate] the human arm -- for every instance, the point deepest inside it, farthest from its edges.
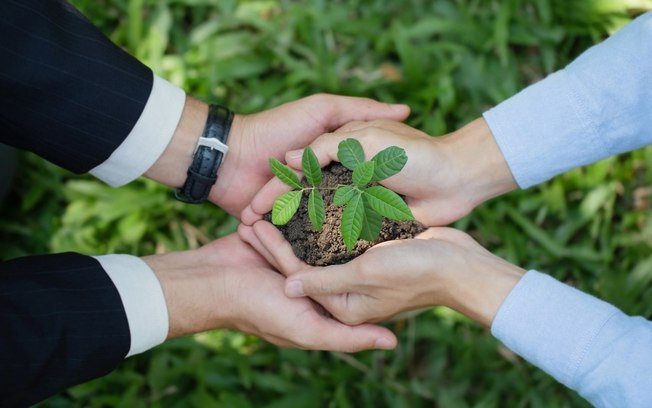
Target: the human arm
(227, 284)
(78, 100)
(444, 177)
(600, 105)
(441, 266)
(68, 318)
(583, 342)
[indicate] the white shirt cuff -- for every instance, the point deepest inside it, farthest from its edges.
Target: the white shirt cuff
(550, 324)
(544, 130)
(149, 137)
(142, 298)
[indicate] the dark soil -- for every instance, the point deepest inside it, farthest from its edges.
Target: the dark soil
(327, 247)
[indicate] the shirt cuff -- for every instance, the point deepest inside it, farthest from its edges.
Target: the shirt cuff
(599, 105)
(149, 137)
(545, 130)
(551, 324)
(142, 298)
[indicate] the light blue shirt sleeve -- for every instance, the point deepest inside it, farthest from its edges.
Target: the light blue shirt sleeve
(583, 342)
(599, 105)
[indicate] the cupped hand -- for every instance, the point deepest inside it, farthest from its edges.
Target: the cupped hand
(441, 266)
(247, 294)
(256, 138)
(443, 180)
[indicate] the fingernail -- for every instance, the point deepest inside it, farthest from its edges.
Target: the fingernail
(294, 289)
(384, 344)
(294, 154)
(398, 106)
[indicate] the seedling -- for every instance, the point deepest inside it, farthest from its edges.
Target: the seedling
(364, 205)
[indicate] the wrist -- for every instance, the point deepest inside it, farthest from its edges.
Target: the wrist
(171, 168)
(480, 290)
(229, 181)
(479, 162)
(192, 286)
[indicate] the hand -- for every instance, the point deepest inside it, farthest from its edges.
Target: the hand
(255, 138)
(441, 266)
(443, 179)
(227, 284)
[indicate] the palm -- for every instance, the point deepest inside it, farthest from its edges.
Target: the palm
(260, 307)
(390, 278)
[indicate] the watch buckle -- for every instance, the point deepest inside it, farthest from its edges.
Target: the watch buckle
(213, 143)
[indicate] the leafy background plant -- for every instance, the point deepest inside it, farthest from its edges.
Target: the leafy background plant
(449, 60)
(364, 206)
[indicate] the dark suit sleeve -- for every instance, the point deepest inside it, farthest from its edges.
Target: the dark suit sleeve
(66, 92)
(62, 323)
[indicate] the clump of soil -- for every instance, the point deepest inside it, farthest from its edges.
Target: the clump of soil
(327, 247)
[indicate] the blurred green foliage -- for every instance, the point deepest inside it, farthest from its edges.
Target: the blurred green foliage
(449, 60)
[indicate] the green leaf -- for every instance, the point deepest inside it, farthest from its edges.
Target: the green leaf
(388, 162)
(371, 223)
(350, 153)
(311, 168)
(284, 173)
(388, 203)
(285, 206)
(316, 209)
(343, 194)
(363, 173)
(352, 218)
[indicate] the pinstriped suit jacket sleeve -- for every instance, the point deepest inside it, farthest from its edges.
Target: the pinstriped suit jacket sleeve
(71, 96)
(62, 323)
(68, 93)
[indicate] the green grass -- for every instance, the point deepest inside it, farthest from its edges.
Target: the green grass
(449, 60)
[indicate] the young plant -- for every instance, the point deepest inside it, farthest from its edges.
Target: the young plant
(364, 205)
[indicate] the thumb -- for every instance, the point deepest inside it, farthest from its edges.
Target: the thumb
(330, 280)
(325, 148)
(344, 109)
(340, 337)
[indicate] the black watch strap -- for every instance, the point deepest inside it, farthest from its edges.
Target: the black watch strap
(210, 151)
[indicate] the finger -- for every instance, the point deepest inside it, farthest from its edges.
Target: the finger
(390, 125)
(263, 201)
(325, 148)
(330, 280)
(447, 234)
(382, 133)
(248, 216)
(248, 235)
(353, 126)
(335, 336)
(279, 248)
(343, 109)
(431, 233)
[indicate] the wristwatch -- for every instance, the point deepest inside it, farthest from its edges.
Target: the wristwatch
(209, 153)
